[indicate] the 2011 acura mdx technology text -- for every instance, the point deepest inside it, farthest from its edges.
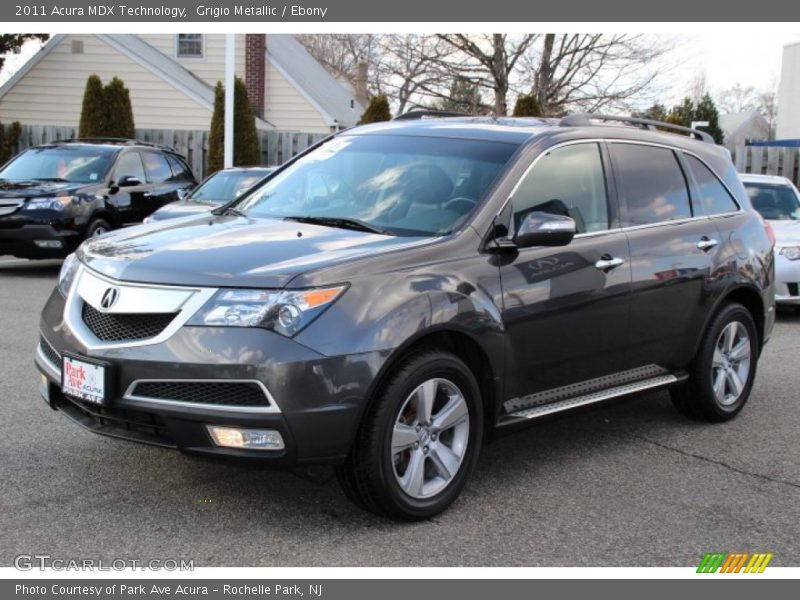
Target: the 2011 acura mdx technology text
(403, 292)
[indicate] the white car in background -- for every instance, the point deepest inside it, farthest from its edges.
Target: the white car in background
(778, 202)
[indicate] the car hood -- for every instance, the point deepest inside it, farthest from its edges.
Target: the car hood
(229, 251)
(787, 233)
(36, 189)
(182, 208)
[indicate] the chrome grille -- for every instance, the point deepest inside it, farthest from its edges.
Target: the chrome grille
(53, 357)
(121, 327)
(219, 393)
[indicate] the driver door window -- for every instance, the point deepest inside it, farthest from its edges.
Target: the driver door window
(129, 165)
(567, 181)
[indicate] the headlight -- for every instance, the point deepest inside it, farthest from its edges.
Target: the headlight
(283, 311)
(791, 252)
(65, 277)
(55, 203)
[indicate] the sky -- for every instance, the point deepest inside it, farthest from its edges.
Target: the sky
(723, 58)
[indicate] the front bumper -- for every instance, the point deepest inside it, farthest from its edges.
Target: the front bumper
(19, 238)
(316, 400)
(787, 280)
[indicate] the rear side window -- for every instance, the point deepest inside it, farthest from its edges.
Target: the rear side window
(652, 182)
(715, 198)
(568, 181)
(156, 167)
(180, 171)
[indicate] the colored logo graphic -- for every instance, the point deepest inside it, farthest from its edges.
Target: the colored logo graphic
(737, 562)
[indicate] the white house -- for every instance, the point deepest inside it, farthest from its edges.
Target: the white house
(743, 126)
(788, 120)
(171, 79)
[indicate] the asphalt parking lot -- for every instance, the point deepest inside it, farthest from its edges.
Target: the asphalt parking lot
(633, 484)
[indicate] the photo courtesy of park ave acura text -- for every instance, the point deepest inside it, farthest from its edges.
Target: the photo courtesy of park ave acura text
(413, 299)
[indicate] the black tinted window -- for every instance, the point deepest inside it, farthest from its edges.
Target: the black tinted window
(180, 171)
(652, 183)
(715, 198)
(156, 167)
(567, 181)
(130, 165)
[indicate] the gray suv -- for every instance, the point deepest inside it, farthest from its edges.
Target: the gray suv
(404, 292)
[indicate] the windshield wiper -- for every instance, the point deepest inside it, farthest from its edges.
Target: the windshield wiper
(53, 179)
(228, 210)
(341, 222)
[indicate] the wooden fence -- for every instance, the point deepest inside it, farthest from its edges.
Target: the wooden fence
(279, 146)
(768, 160)
(276, 146)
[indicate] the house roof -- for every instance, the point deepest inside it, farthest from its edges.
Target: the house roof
(336, 104)
(732, 123)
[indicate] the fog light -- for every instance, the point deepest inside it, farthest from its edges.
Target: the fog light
(256, 439)
(48, 243)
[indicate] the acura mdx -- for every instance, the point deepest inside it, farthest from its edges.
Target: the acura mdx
(404, 292)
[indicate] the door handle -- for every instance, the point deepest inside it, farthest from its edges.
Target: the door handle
(608, 262)
(146, 195)
(706, 243)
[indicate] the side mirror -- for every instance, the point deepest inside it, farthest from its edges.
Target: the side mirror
(544, 229)
(129, 181)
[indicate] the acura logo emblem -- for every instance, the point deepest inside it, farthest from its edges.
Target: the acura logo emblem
(110, 297)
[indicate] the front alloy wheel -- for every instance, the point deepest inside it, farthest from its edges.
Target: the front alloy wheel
(430, 438)
(419, 439)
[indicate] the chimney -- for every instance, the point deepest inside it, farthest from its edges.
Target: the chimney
(362, 96)
(255, 49)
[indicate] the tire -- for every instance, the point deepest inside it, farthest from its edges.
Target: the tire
(721, 377)
(398, 462)
(97, 227)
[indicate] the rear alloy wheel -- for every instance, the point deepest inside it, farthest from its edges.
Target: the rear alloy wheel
(419, 440)
(722, 375)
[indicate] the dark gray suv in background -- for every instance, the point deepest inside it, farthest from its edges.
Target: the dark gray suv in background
(403, 292)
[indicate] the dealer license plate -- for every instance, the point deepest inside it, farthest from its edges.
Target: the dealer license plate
(83, 380)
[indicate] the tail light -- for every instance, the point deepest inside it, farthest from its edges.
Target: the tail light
(770, 232)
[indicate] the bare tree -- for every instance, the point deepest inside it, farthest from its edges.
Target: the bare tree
(739, 98)
(409, 67)
(340, 53)
(768, 103)
(592, 71)
(564, 71)
(488, 60)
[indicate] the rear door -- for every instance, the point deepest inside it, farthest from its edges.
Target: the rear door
(673, 245)
(162, 189)
(566, 309)
(182, 177)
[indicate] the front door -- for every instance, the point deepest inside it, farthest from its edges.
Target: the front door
(566, 309)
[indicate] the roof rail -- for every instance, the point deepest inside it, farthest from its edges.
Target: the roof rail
(113, 140)
(425, 112)
(584, 119)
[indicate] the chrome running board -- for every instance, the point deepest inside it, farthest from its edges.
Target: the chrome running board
(599, 396)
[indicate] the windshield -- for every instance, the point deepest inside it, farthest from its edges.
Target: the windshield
(774, 202)
(74, 164)
(402, 185)
(224, 186)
